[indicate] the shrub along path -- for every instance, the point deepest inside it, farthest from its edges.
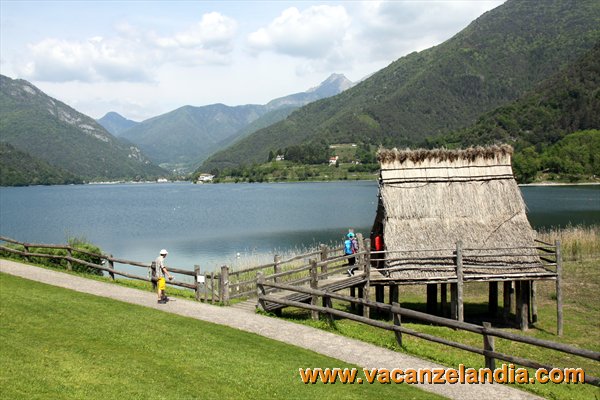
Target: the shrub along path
(339, 347)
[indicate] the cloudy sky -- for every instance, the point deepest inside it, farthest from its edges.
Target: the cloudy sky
(146, 58)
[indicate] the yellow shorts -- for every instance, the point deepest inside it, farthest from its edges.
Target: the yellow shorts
(161, 284)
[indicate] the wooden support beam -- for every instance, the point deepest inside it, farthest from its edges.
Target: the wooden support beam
(453, 301)
(444, 299)
(493, 299)
(379, 293)
(506, 301)
(459, 283)
(518, 303)
(432, 298)
(534, 311)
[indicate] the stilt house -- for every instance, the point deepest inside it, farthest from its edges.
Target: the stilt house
(440, 208)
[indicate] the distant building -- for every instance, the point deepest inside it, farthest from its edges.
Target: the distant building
(162, 180)
(205, 178)
(279, 157)
(333, 160)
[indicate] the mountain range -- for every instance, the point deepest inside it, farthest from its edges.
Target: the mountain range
(48, 130)
(496, 59)
(188, 135)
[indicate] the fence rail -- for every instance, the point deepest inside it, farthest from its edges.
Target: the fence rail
(486, 331)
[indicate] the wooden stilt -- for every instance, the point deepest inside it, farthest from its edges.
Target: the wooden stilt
(444, 299)
(506, 294)
(432, 298)
(534, 314)
(379, 294)
(559, 310)
(453, 301)
(519, 304)
(493, 299)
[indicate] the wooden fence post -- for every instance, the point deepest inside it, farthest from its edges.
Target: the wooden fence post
(224, 285)
(459, 282)
(324, 257)
(397, 322)
(488, 344)
(70, 255)
(260, 290)
(198, 280)
(276, 267)
(212, 287)
(559, 302)
(367, 286)
(111, 265)
(26, 250)
(314, 284)
(329, 305)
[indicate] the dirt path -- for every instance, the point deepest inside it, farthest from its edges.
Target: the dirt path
(348, 350)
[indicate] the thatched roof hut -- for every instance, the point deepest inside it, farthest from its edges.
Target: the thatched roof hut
(432, 199)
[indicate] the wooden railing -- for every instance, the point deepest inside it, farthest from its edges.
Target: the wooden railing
(107, 263)
(488, 333)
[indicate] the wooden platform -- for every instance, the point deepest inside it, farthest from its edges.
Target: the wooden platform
(332, 284)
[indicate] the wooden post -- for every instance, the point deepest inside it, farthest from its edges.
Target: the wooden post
(506, 299)
(393, 297)
(224, 285)
(518, 303)
(70, 255)
(260, 290)
(353, 294)
(328, 304)
(523, 304)
(397, 322)
(367, 286)
(488, 344)
(324, 257)
(493, 299)
(453, 301)
(26, 250)
(314, 284)
(459, 282)
(212, 287)
(206, 288)
(197, 282)
(379, 294)
(432, 298)
(534, 314)
(276, 267)
(111, 265)
(444, 299)
(559, 301)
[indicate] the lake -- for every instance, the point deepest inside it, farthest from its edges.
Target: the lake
(234, 224)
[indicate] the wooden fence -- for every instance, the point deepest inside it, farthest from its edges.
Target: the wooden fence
(107, 264)
(488, 333)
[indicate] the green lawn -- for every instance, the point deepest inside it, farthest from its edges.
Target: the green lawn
(61, 344)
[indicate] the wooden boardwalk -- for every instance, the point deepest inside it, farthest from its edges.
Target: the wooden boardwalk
(332, 284)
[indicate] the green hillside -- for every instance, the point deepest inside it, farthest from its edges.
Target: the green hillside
(541, 124)
(495, 60)
(49, 130)
(182, 139)
(20, 169)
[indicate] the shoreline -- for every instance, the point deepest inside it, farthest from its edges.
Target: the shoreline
(560, 184)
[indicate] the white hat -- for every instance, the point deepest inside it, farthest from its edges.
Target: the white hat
(164, 252)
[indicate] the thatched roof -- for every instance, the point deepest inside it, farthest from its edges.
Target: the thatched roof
(432, 199)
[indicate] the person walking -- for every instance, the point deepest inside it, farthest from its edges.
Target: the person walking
(161, 272)
(351, 247)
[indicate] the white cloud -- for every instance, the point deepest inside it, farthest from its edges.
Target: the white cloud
(313, 33)
(131, 55)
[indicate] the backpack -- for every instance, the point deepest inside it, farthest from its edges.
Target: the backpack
(348, 247)
(354, 246)
(152, 270)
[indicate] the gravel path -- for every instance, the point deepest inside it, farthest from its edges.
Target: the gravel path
(348, 350)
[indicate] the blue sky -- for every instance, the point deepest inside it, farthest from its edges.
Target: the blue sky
(146, 58)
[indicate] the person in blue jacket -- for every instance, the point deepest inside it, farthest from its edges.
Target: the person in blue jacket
(351, 247)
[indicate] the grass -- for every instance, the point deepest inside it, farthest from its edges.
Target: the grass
(62, 344)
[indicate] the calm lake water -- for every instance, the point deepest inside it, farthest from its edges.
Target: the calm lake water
(235, 224)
